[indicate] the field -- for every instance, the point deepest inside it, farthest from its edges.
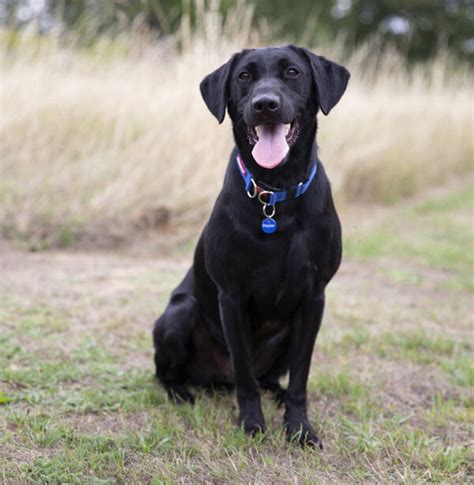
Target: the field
(109, 166)
(390, 386)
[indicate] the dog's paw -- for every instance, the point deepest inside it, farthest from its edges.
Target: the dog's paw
(253, 428)
(179, 394)
(301, 432)
(252, 424)
(250, 415)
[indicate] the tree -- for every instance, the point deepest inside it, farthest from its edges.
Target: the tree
(416, 27)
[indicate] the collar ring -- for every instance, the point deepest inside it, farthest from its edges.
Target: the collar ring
(253, 193)
(264, 193)
(264, 209)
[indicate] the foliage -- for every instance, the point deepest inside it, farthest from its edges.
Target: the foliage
(417, 27)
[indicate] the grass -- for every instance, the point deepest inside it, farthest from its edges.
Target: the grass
(420, 347)
(443, 242)
(110, 139)
(390, 387)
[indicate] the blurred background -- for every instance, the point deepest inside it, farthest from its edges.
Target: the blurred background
(104, 135)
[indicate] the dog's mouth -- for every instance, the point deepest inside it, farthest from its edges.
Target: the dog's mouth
(291, 132)
(272, 142)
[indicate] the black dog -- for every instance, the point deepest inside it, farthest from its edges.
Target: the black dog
(250, 307)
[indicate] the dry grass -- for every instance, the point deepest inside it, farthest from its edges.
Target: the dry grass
(120, 134)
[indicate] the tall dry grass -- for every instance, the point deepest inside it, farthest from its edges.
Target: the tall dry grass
(118, 134)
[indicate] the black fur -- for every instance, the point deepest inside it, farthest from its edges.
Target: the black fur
(250, 307)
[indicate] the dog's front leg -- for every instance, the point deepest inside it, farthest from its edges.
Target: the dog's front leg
(303, 336)
(235, 322)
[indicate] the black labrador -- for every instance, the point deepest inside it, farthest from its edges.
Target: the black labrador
(249, 309)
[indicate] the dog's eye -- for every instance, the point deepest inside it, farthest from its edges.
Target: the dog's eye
(292, 72)
(244, 76)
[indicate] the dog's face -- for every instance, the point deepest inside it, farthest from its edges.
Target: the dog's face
(273, 95)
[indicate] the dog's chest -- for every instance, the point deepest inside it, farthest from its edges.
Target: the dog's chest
(278, 282)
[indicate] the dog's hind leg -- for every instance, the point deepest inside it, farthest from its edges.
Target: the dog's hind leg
(271, 380)
(278, 392)
(171, 337)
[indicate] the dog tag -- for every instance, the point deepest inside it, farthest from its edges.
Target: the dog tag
(269, 225)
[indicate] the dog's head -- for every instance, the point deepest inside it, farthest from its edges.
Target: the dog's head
(273, 95)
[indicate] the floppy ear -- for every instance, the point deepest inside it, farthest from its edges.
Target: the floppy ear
(215, 89)
(329, 79)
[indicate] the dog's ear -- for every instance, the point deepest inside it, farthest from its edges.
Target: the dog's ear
(329, 78)
(215, 89)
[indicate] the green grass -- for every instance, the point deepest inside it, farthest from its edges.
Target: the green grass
(436, 234)
(418, 346)
(452, 356)
(390, 389)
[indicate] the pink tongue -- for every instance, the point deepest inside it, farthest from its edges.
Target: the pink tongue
(271, 147)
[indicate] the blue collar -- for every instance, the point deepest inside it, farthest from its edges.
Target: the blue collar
(269, 198)
(253, 190)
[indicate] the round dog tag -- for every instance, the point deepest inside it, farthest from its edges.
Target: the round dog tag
(269, 225)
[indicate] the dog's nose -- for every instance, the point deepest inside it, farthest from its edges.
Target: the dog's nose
(266, 103)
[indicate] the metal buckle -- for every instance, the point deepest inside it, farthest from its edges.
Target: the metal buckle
(262, 193)
(252, 194)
